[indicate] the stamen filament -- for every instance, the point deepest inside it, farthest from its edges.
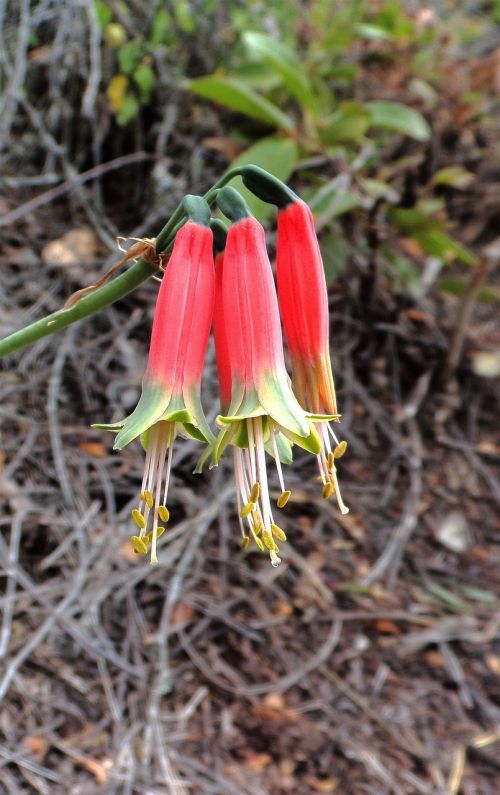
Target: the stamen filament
(261, 465)
(279, 471)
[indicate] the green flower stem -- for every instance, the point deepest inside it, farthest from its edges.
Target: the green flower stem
(109, 293)
(177, 219)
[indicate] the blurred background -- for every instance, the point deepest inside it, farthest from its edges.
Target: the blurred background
(369, 662)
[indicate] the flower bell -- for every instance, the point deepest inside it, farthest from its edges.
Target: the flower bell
(170, 401)
(260, 410)
(303, 302)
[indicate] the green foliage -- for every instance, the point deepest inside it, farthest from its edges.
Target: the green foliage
(430, 233)
(285, 63)
(305, 92)
(160, 28)
(309, 94)
(237, 95)
(398, 118)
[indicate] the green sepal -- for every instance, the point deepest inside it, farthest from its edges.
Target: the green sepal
(279, 402)
(193, 432)
(177, 415)
(267, 187)
(241, 438)
(224, 438)
(232, 204)
(193, 405)
(312, 442)
(203, 460)
(152, 404)
(196, 209)
(114, 427)
(247, 406)
(323, 417)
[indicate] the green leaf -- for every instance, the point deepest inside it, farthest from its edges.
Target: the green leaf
(260, 76)
(129, 109)
(236, 95)
(160, 27)
(286, 64)
(372, 32)
(455, 176)
(278, 156)
(184, 16)
(412, 221)
(103, 12)
(347, 125)
(145, 79)
(399, 118)
(438, 244)
(130, 55)
(332, 200)
(456, 286)
(431, 235)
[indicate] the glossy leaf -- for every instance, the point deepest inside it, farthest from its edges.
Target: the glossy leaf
(145, 79)
(160, 27)
(399, 118)
(285, 63)
(238, 96)
(347, 125)
(130, 55)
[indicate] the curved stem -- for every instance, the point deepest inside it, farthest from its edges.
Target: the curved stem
(104, 296)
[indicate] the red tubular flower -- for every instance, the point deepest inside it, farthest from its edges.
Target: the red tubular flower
(303, 302)
(263, 413)
(170, 399)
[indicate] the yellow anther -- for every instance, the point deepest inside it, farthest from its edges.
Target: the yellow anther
(138, 545)
(245, 542)
(164, 513)
(159, 532)
(138, 519)
(258, 542)
(278, 532)
(328, 490)
(258, 524)
(247, 510)
(340, 449)
(148, 498)
(254, 493)
(269, 541)
(330, 459)
(283, 499)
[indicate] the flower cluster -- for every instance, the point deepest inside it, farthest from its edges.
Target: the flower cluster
(263, 411)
